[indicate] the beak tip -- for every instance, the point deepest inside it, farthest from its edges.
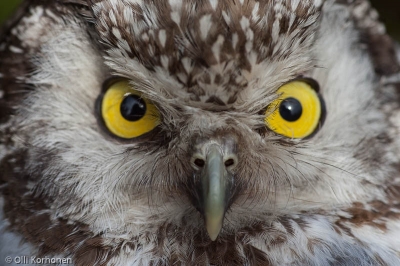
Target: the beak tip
(213, 236)
(213, 231)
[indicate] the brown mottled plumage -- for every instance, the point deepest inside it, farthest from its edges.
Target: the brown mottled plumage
(212, 68)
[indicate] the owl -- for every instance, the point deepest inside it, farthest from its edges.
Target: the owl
(199, 132)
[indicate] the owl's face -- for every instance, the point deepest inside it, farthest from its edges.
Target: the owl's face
(198, 119)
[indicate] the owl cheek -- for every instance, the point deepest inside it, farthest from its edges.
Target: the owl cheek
(214, 188)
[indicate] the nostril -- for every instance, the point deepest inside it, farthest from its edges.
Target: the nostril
(199, 162)
(229, 162)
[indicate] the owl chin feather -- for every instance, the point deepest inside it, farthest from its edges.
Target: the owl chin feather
(264, 133)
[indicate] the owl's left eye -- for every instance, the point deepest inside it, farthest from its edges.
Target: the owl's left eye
(126, 113)
(298, 110)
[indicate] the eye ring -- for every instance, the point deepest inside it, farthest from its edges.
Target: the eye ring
(298, 111)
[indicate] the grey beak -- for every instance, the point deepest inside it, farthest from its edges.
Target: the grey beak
(215, 182)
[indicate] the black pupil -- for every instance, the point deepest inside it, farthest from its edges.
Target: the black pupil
(290, 109)
(133, 108)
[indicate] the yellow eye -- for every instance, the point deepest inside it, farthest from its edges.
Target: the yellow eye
(126, 113)
(297, 112)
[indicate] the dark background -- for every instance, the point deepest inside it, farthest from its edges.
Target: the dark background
(389, 12)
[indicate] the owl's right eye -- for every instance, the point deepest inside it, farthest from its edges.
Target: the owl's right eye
(126, 113)
(297, 112)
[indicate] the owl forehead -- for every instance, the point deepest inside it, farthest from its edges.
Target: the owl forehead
(210, 48)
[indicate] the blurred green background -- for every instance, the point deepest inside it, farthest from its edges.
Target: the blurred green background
(6, 7)
(389, 12)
